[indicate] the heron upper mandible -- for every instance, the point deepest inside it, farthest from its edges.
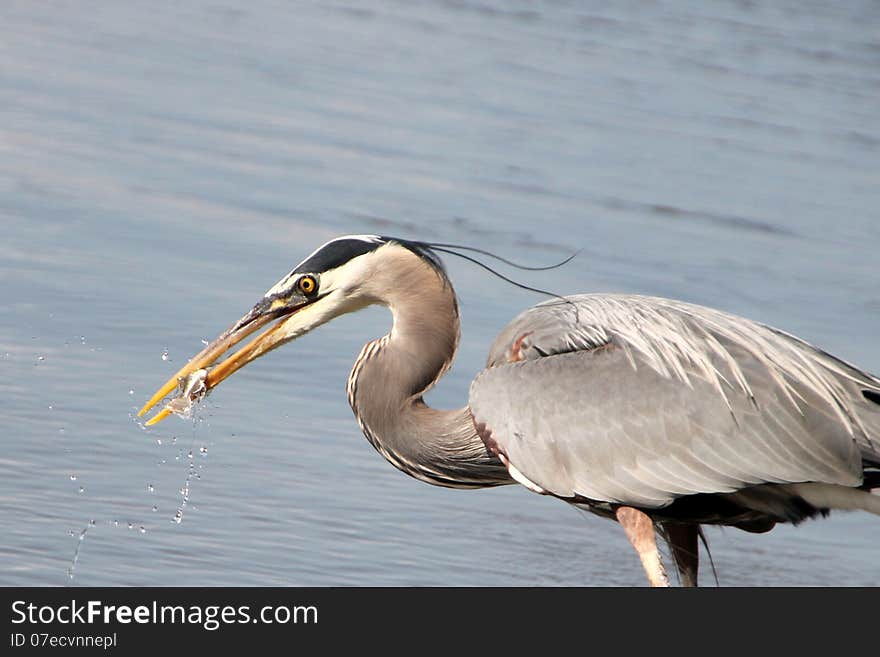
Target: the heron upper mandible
(659, 414)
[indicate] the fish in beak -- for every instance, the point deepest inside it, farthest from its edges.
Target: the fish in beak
(203, 372)
(332, 281)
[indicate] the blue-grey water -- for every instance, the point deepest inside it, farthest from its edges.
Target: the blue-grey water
(163, 164)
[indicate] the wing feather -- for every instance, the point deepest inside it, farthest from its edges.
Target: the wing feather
(639, 400)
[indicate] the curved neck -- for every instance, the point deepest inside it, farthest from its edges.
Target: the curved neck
(392, 374)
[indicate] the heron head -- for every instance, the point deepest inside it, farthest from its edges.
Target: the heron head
(341, 276)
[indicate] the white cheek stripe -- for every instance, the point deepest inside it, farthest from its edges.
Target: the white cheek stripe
(282, 285)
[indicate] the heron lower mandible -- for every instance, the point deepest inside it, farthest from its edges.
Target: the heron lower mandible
(659, 414)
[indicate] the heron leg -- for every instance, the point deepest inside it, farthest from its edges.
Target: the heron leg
(639, 530)
(683, 541)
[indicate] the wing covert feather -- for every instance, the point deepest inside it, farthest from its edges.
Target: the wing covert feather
(582, 409)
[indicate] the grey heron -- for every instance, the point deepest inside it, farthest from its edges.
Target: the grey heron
(659, 414)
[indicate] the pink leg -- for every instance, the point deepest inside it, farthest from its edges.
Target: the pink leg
(639, 530)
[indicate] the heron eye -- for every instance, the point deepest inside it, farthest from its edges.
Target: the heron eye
(307, 285)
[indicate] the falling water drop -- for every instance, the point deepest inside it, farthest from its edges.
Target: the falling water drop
(165, 354)
(79, 544)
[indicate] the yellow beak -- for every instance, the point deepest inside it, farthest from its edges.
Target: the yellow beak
(261, 315)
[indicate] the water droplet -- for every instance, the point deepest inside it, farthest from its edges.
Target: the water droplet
(131, 392)
(82, 339)
(71, 533)
(50, 407)
(61, 430)
(165, 354)
(91, 523)
(190, 454)
(73, 477)
(130, 526)
(41, 358)
(82, 490)
(173, 440)
(205, 342)
(142, 529)
(116, 523)
(155, 508)
(150, 488)
(203, 449)
(178, 516)
(158, 441)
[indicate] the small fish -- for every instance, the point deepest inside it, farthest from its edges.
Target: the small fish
(191, 390)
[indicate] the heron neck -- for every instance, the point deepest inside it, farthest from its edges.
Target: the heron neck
(392, 374)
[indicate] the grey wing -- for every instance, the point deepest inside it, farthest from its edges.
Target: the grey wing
(638, 400)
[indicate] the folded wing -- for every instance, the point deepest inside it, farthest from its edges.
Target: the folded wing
(639, 401)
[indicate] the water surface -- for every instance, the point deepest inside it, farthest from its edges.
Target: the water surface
(161, 167)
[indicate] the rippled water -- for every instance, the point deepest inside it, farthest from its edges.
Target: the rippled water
(161, 167)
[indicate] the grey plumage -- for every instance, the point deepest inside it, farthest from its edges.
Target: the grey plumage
(646, 400)
(647, 410)
(392, 373)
